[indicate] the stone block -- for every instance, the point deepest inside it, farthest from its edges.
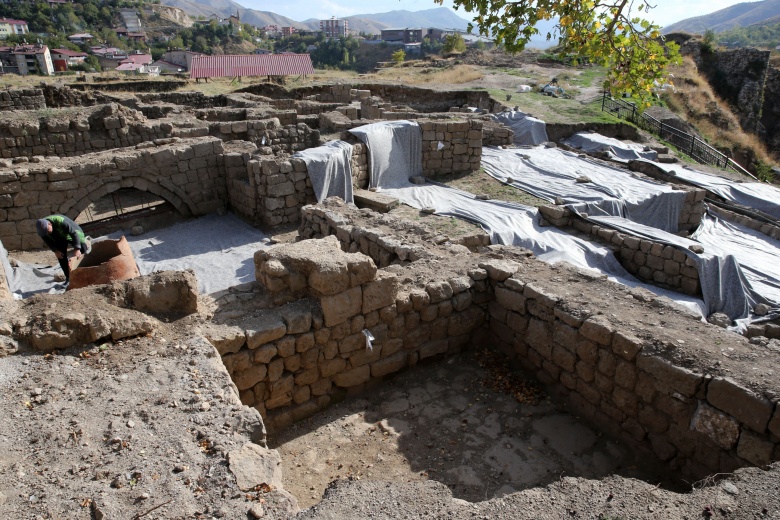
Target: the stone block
(598, 330)
(720, 428)
(669, 377)
(340, 307)
(755, 449)
(511, 300)
(379, 293)
(264, 354)
(744, 405)
(266, 329)
(352, 377)
(250, 377)
(297, 319)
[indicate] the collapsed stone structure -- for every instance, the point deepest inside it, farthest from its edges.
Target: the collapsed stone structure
(357, 274)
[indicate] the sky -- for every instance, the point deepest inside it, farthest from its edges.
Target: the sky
(665, 13)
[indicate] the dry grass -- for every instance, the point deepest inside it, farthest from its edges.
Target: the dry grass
(420, 76)
(712, 116)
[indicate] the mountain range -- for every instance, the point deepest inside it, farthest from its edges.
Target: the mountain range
(368, 23)
(743, 15)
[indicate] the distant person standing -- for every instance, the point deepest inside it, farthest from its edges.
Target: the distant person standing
(59, 232)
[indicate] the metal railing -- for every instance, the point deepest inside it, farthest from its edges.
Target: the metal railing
(685, 142)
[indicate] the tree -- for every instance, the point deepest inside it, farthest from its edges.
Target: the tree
(602, 31)
(453, 43)
(398, 56)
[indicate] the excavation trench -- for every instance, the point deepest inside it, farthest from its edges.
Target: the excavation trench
(468, 422)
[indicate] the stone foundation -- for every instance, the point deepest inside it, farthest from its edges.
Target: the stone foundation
(652, 262)
(22, 99)
(186, 173)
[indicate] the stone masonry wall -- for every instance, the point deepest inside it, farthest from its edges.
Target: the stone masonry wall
(625, 375)
(451, 147)
(270, 135)
(384, 248)
(22, 99)
(771, 230)
(187, 173)
(109, 126)
(300, 356)
(625, 380)
(653, 262)
(282, 187)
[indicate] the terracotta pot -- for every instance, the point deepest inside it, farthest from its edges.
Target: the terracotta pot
(109, 260)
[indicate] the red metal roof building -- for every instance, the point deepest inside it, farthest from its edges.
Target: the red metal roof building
(239, 65)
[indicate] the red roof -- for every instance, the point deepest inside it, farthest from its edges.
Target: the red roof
(229, 66)
(68, 52)
(12, 22)
(140, 59)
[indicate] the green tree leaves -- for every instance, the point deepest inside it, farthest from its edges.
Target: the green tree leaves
(599, 31)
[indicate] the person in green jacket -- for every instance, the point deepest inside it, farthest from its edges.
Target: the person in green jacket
(59, 232)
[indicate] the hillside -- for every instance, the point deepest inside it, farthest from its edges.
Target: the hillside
(440, 17)
(739, 15)
(224, 8)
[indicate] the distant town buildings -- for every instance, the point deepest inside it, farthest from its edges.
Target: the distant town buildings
(26, 59)
(334, 28)
(405, 35)
(10, 27)
(287, 31)
(80, 38)
(176, 60)
(64, 59)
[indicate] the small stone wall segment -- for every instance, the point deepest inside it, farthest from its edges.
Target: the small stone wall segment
(619, 379)
(282, 187)
(270, 135)
(332, 217)
(360, 165)
(22, 99)
(190, 99)
(659, 264)
(301, 355)
(771, 230)
(109, 126)
(241, 187)
(186, 173)
(694, 210)
(451, 147)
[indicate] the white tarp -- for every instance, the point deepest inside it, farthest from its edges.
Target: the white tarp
(756, 253)
(617, 150)
(528, 130)
(219, 249)
(550, 173)
(756, 195)
(507, 223)
(330, 170)
(394, 149)
(725, 286)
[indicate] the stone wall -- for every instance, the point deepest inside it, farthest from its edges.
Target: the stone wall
(770, 112)
(109, 126)
(384, 248)
(451, 147)
(771, 230)
(300, 356)
(653, 262)
(270, 135)
(282, 187)
(187, 173)
(626, 380)
(22, 99)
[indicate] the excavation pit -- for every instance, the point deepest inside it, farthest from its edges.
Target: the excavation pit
(447, 421)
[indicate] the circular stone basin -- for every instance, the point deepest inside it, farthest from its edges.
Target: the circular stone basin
(109, 261)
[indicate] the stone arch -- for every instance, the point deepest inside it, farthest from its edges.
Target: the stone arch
(179, 200)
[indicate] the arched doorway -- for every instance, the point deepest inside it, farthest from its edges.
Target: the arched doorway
(126, 208)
